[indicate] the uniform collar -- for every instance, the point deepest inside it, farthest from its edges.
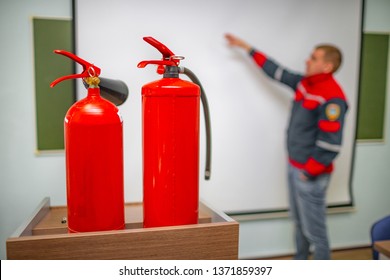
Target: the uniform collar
(318, 78)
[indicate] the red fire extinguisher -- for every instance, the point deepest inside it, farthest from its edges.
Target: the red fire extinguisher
(170, 117)
(94, 157)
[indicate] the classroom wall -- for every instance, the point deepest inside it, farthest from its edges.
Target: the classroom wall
(26, 178)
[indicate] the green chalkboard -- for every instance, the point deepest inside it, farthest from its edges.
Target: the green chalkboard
(371, 111)
(52, 103)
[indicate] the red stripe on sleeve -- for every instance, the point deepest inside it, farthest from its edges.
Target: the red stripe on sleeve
(329, 126)
(259, 58)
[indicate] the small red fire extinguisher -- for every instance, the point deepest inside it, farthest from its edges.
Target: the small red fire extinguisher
(94, 157)
(170, 123)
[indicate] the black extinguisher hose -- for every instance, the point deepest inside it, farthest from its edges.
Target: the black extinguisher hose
(206, 112)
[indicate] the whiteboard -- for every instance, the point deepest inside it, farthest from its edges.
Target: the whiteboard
(249, 112)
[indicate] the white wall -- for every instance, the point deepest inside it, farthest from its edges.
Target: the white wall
(377, 16)
(26, 178)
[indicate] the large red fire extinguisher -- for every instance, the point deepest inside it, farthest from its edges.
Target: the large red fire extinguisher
(94, 157)
(170, 117)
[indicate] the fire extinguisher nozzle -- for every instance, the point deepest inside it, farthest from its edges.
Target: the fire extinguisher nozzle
(207, 175)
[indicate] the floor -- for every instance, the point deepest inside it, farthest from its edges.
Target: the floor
(364, 253)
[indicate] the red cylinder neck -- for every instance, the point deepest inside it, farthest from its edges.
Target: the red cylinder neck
(93, 92)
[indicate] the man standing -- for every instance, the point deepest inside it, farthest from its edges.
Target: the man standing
(313, 139)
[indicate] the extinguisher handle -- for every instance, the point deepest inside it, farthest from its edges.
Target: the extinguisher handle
(168, 57)
(89, 70)
(166, 53)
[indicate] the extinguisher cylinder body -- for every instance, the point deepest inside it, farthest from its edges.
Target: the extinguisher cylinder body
(94, 164)
(170, 109)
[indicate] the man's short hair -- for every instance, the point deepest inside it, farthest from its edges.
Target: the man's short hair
(332, 55)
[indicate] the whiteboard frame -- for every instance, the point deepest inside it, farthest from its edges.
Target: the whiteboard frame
(250, 69)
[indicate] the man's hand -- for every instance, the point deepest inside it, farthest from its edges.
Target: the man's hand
(237, 42)
(303, 177)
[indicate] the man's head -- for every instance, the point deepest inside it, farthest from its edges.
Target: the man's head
(323, 59)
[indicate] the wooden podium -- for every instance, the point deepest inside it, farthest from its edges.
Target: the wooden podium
(45, 236)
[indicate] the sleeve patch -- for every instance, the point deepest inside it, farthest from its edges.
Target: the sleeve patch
(332, 111)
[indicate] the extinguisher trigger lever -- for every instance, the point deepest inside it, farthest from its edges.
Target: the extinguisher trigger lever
(89, 70)
(160, 64)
